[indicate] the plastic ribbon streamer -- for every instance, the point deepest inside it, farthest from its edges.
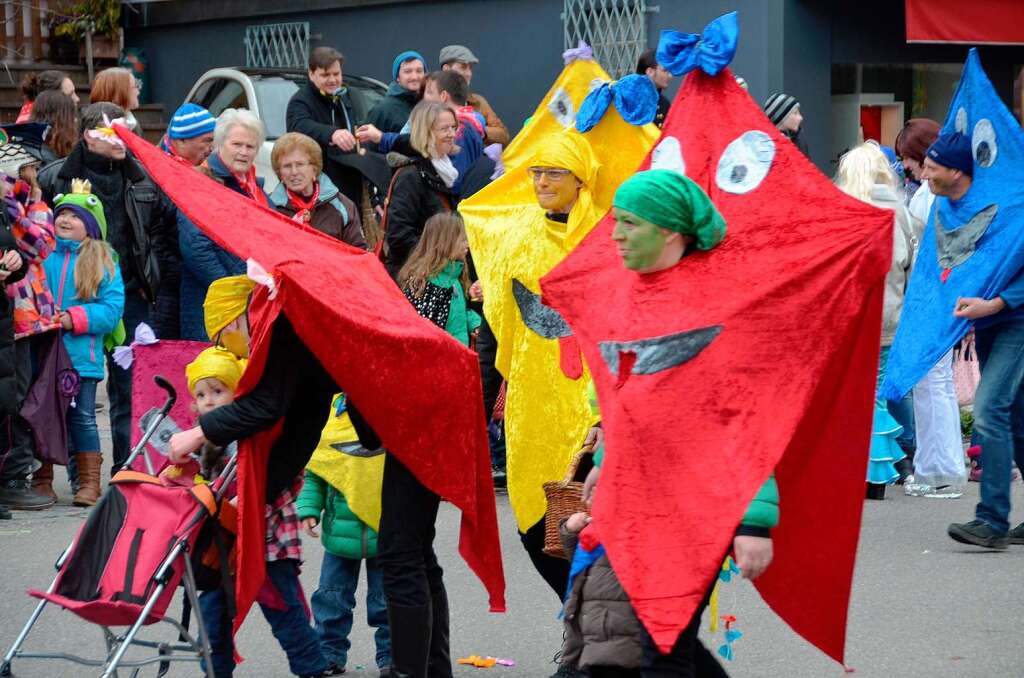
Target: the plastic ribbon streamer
(725, 575)
(635, 98)
(259, 275)
(582, 52)
(124, 356)
(711, 51)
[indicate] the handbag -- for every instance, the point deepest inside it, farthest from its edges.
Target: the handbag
(565, 497)
(966, 371)
(46, 405)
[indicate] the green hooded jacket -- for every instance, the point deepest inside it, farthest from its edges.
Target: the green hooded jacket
(341, 531)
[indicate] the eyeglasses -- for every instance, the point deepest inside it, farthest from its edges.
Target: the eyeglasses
(552, 173)
(294, 166)
(445, 129)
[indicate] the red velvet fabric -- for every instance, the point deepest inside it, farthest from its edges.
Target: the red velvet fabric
(418, 387)
(787, 385)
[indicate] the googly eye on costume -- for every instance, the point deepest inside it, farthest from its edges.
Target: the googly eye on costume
(92, 200)
(57, 198)
(745, 162)
(562, 108)
(961, 121)
(983, 143)
(668, 155)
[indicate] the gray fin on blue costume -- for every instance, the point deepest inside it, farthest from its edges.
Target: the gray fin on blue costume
(956, 247)
(544, 320)
(659, 353)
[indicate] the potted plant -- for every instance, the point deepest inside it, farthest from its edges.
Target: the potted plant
(102, 18)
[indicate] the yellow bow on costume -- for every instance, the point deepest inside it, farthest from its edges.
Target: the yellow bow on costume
(547, 414)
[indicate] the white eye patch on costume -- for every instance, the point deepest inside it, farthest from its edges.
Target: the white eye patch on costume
(745, 162)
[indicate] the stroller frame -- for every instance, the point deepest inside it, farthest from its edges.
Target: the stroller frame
(192, 649)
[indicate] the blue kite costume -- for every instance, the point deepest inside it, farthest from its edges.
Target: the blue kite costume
(972, 247)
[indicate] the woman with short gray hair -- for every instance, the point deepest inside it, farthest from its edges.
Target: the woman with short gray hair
(237, 140)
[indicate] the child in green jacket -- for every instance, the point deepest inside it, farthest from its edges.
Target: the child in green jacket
(348, 541)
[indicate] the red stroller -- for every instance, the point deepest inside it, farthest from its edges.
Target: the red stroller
(126, 561)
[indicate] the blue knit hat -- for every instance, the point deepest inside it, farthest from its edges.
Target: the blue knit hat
(191, 121)
(953, 150)
(408, 55)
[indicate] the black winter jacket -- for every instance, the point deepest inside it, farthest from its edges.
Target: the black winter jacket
(151, 257)
(417, 194)
(8, 379)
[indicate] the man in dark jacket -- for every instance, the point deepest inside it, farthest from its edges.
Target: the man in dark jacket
(392, 112)
(322, 111)
(648, 65)
(142, 229)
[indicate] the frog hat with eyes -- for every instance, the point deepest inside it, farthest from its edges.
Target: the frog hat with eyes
(756, 351)
(85, 206)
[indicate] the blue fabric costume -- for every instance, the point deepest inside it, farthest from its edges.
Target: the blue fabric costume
(972, 247)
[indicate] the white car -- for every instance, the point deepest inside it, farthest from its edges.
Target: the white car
(266, 93)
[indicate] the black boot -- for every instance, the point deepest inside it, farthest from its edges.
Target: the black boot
(410, 640)
(19, 495)
(440, 665)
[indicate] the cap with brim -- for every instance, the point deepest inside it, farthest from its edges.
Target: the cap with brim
(457, 53)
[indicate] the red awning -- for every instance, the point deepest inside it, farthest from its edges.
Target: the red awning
(979, 22)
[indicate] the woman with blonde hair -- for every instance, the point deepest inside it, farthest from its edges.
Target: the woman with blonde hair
(864, 173)
(421, 186)
(118, 86)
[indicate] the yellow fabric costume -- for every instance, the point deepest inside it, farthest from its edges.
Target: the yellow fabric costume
(226, 299)
(341, 461)
(547, 414)
(218, 363)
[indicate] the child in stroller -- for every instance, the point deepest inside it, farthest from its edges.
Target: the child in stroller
(212, 379)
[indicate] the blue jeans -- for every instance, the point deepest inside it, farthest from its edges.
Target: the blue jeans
(83, 435)
(335, 599)
(290, 626)
(999, 417)
(903, 412)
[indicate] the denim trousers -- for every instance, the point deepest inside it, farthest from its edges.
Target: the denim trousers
(119, 382)
(999, 417)
(290, 626)
(83, 434)
(335, 599)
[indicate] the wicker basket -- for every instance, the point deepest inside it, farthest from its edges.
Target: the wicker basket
(565, 497)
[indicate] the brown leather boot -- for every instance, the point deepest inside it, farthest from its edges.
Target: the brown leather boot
(88, 478)
(42, 481)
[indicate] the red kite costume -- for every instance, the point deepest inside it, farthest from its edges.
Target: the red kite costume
(759, 354)
(417, 387)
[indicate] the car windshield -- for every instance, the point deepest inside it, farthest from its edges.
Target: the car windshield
(272, 95)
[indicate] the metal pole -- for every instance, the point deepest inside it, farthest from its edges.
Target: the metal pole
(88, 54)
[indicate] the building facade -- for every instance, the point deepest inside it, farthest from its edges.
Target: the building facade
(848, 63)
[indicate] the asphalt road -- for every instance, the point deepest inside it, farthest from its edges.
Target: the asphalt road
(922, 604)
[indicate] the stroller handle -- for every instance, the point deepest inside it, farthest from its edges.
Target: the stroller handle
(172, 394)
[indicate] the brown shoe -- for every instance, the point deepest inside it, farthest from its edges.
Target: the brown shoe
(88, 478)
(42, 481)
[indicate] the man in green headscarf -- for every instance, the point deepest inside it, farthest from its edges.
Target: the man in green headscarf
(659, 214)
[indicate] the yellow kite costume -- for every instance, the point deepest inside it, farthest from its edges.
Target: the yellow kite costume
(547, 414)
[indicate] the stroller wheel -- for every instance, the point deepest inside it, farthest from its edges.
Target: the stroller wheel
(5, 669)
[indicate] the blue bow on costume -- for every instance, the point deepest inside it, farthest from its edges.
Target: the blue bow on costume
(680, 53)
(635, 97)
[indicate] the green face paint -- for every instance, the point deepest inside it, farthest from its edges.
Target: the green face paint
(640, 242)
